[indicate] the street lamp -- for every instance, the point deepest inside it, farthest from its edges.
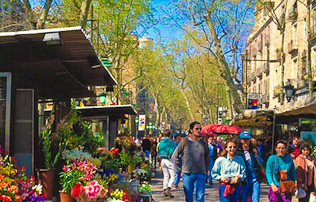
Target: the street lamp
(289, 90)
(102, 97)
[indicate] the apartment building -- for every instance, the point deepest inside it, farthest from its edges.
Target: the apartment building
(263, 75)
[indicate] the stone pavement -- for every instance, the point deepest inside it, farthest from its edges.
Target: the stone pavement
(211, 193)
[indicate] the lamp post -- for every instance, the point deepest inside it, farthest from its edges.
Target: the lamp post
(102, 97)
(289, 90)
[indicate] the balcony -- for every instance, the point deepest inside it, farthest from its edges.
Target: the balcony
(292, 47)
(277, 91)
(293, 12)
(266, 68)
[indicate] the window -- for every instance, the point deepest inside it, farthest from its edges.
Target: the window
(294, 68)
(294, 35)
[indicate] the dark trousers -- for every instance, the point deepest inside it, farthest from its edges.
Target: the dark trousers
(308, 193)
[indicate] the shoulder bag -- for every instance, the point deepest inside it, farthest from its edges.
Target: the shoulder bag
(286, 186)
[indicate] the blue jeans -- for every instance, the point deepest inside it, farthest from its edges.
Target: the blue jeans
(178, 176)
(230, 197)
(189, 181)
(147, 153)
(210, 170)
(253, 189)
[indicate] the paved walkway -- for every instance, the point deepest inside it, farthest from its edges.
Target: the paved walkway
(211, 193)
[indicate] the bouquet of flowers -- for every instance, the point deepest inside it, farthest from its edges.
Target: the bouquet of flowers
(119, 195)
(79, 154)
(14, 184)
(91, 192)
(145, 188)
(77, 172)
(141, 173)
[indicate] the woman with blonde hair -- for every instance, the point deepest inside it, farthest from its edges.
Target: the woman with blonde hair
(229, 169)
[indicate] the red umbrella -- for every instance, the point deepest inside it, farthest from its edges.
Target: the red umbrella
(228, 129)
(208, 129)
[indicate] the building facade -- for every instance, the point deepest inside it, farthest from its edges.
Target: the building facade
(280, 23)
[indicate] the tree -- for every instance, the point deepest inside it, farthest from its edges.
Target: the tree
(221, 25)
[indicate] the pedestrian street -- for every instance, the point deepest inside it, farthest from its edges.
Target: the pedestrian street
(211, 193)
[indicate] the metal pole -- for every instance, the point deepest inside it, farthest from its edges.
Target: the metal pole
(273, 133)
(246, 107)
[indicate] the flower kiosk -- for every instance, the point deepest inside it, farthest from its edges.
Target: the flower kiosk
(34, 72)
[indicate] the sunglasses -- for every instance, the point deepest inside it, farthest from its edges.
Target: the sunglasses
(198, 128)
(232, 147)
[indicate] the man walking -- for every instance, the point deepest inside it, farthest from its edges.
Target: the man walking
(165, 150)
(146, 145)
(195, 162)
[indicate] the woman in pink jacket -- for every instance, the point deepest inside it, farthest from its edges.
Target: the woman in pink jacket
(305, 171)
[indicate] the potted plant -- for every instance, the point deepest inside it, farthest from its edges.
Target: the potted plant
(77, 172)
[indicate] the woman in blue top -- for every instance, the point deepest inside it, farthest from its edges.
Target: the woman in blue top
(230, 170)
(282, 161)
(251, 186)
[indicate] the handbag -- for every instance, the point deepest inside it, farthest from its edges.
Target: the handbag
(286, 186)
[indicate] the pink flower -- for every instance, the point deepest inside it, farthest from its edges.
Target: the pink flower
(66, 169)
(92, 189)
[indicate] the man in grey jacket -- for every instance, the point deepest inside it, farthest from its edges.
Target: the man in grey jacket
(195, 162)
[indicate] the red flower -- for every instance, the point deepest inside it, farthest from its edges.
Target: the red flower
(78, 188)
(23, 168)
(66, 168)
(6, 198)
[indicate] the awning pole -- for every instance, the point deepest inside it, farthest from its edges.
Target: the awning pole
(273, 131)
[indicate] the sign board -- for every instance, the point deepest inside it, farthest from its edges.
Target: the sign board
(142, 122)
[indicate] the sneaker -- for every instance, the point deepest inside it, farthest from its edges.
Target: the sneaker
(168, 193)
(176, 186)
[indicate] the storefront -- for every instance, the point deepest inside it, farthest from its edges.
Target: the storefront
(40, 65)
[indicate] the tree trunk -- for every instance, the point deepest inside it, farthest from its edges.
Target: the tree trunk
(84, 13)
(223, 66)
(187, 103)
(43, 16)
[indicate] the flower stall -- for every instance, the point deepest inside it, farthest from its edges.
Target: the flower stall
(15, 186)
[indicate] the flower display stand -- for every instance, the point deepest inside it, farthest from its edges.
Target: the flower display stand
(145, 198)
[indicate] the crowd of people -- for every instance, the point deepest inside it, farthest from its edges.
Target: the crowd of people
(239, 165)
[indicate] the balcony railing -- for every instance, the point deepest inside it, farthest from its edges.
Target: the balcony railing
(292, 47)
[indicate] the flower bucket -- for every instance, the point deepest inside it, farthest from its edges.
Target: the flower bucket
(46, 176)
(66, 197)
(134, 185)
(144, 198)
